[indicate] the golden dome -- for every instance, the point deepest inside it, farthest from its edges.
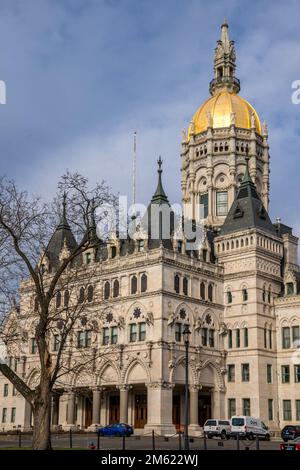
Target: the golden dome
(220, 106)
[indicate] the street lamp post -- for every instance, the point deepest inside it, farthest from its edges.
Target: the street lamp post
(186, 337)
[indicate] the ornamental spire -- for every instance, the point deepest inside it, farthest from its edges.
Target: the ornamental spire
(224, 64)
(159, 195)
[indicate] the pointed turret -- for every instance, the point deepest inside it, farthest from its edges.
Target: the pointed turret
(62, 239)
(159, 217)
(224, 64)
(247, 210)
(159, 197)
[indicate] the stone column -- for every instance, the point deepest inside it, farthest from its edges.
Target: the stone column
(55, 409)
(218, 410)
(27, 416)
(194, 428)
(96, 406)
(71, 410)
(160, 406)
(123, 403)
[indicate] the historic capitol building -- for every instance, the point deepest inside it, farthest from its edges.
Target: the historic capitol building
(239, 294)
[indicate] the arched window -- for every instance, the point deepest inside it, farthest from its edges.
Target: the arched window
(229, 297)
(66, 298)
(210, 292)
(134, 285)
(264, 294)
(144, 281)
(116, 288)
(269, 295)
(245, 295)
(246, 338)
(81, 295)
(177, 283)
(237, 338)
(90, 293)
(202, 290)
(58, 299)
(107, 290)
(185, 285)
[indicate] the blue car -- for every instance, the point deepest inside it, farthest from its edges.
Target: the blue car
(117, 429)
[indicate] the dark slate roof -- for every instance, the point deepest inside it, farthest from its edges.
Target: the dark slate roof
(281, 229)
(247, 210)
(62, 236)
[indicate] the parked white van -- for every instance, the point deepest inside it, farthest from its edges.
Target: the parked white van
(217, 427)
(249, 427)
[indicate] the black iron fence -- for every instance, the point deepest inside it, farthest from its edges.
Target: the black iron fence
(149, 441)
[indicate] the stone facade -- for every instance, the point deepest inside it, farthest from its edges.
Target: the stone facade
(239, 294)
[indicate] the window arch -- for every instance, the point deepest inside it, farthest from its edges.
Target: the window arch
(177, 283)
(185, 285)
(202, 290)
(210, 292)
(133, 285)
(90, 293)
(116, 288)
(107, 290)
(229, 297)
(81, 295)
(144, 282)
(245, 294)
(264, 294)
(66, 298)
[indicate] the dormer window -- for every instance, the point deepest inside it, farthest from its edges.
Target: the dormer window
(289, 288)
(113, 251)
(88, 258)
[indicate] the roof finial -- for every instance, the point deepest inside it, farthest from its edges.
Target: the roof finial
(63, 220)
(159, 194)
(225, 23)
(65, 205)
(159, 162)
(247, 178)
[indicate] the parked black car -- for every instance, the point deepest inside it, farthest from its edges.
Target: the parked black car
(290, 432)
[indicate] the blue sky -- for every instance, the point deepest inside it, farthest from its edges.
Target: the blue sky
(83, 75)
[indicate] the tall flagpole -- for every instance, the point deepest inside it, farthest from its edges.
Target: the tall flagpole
(134, 170)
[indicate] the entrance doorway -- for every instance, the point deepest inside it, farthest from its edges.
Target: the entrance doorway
(140, 410)
(114, 409)
(88, 406)
(176, 412)
(204, 409)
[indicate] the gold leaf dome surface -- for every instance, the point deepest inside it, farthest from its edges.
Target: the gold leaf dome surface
(221, 106)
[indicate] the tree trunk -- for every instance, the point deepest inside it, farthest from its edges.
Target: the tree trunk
(42, 419)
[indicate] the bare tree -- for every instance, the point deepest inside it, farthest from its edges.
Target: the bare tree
(45, 265)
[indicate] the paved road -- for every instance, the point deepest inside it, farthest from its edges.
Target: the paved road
(83, 441)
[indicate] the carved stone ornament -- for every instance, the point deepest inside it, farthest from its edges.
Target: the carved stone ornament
(171, 318)
(121, 322)
(223, 329)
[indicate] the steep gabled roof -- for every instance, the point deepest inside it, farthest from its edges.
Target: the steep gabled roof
(247, 210)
